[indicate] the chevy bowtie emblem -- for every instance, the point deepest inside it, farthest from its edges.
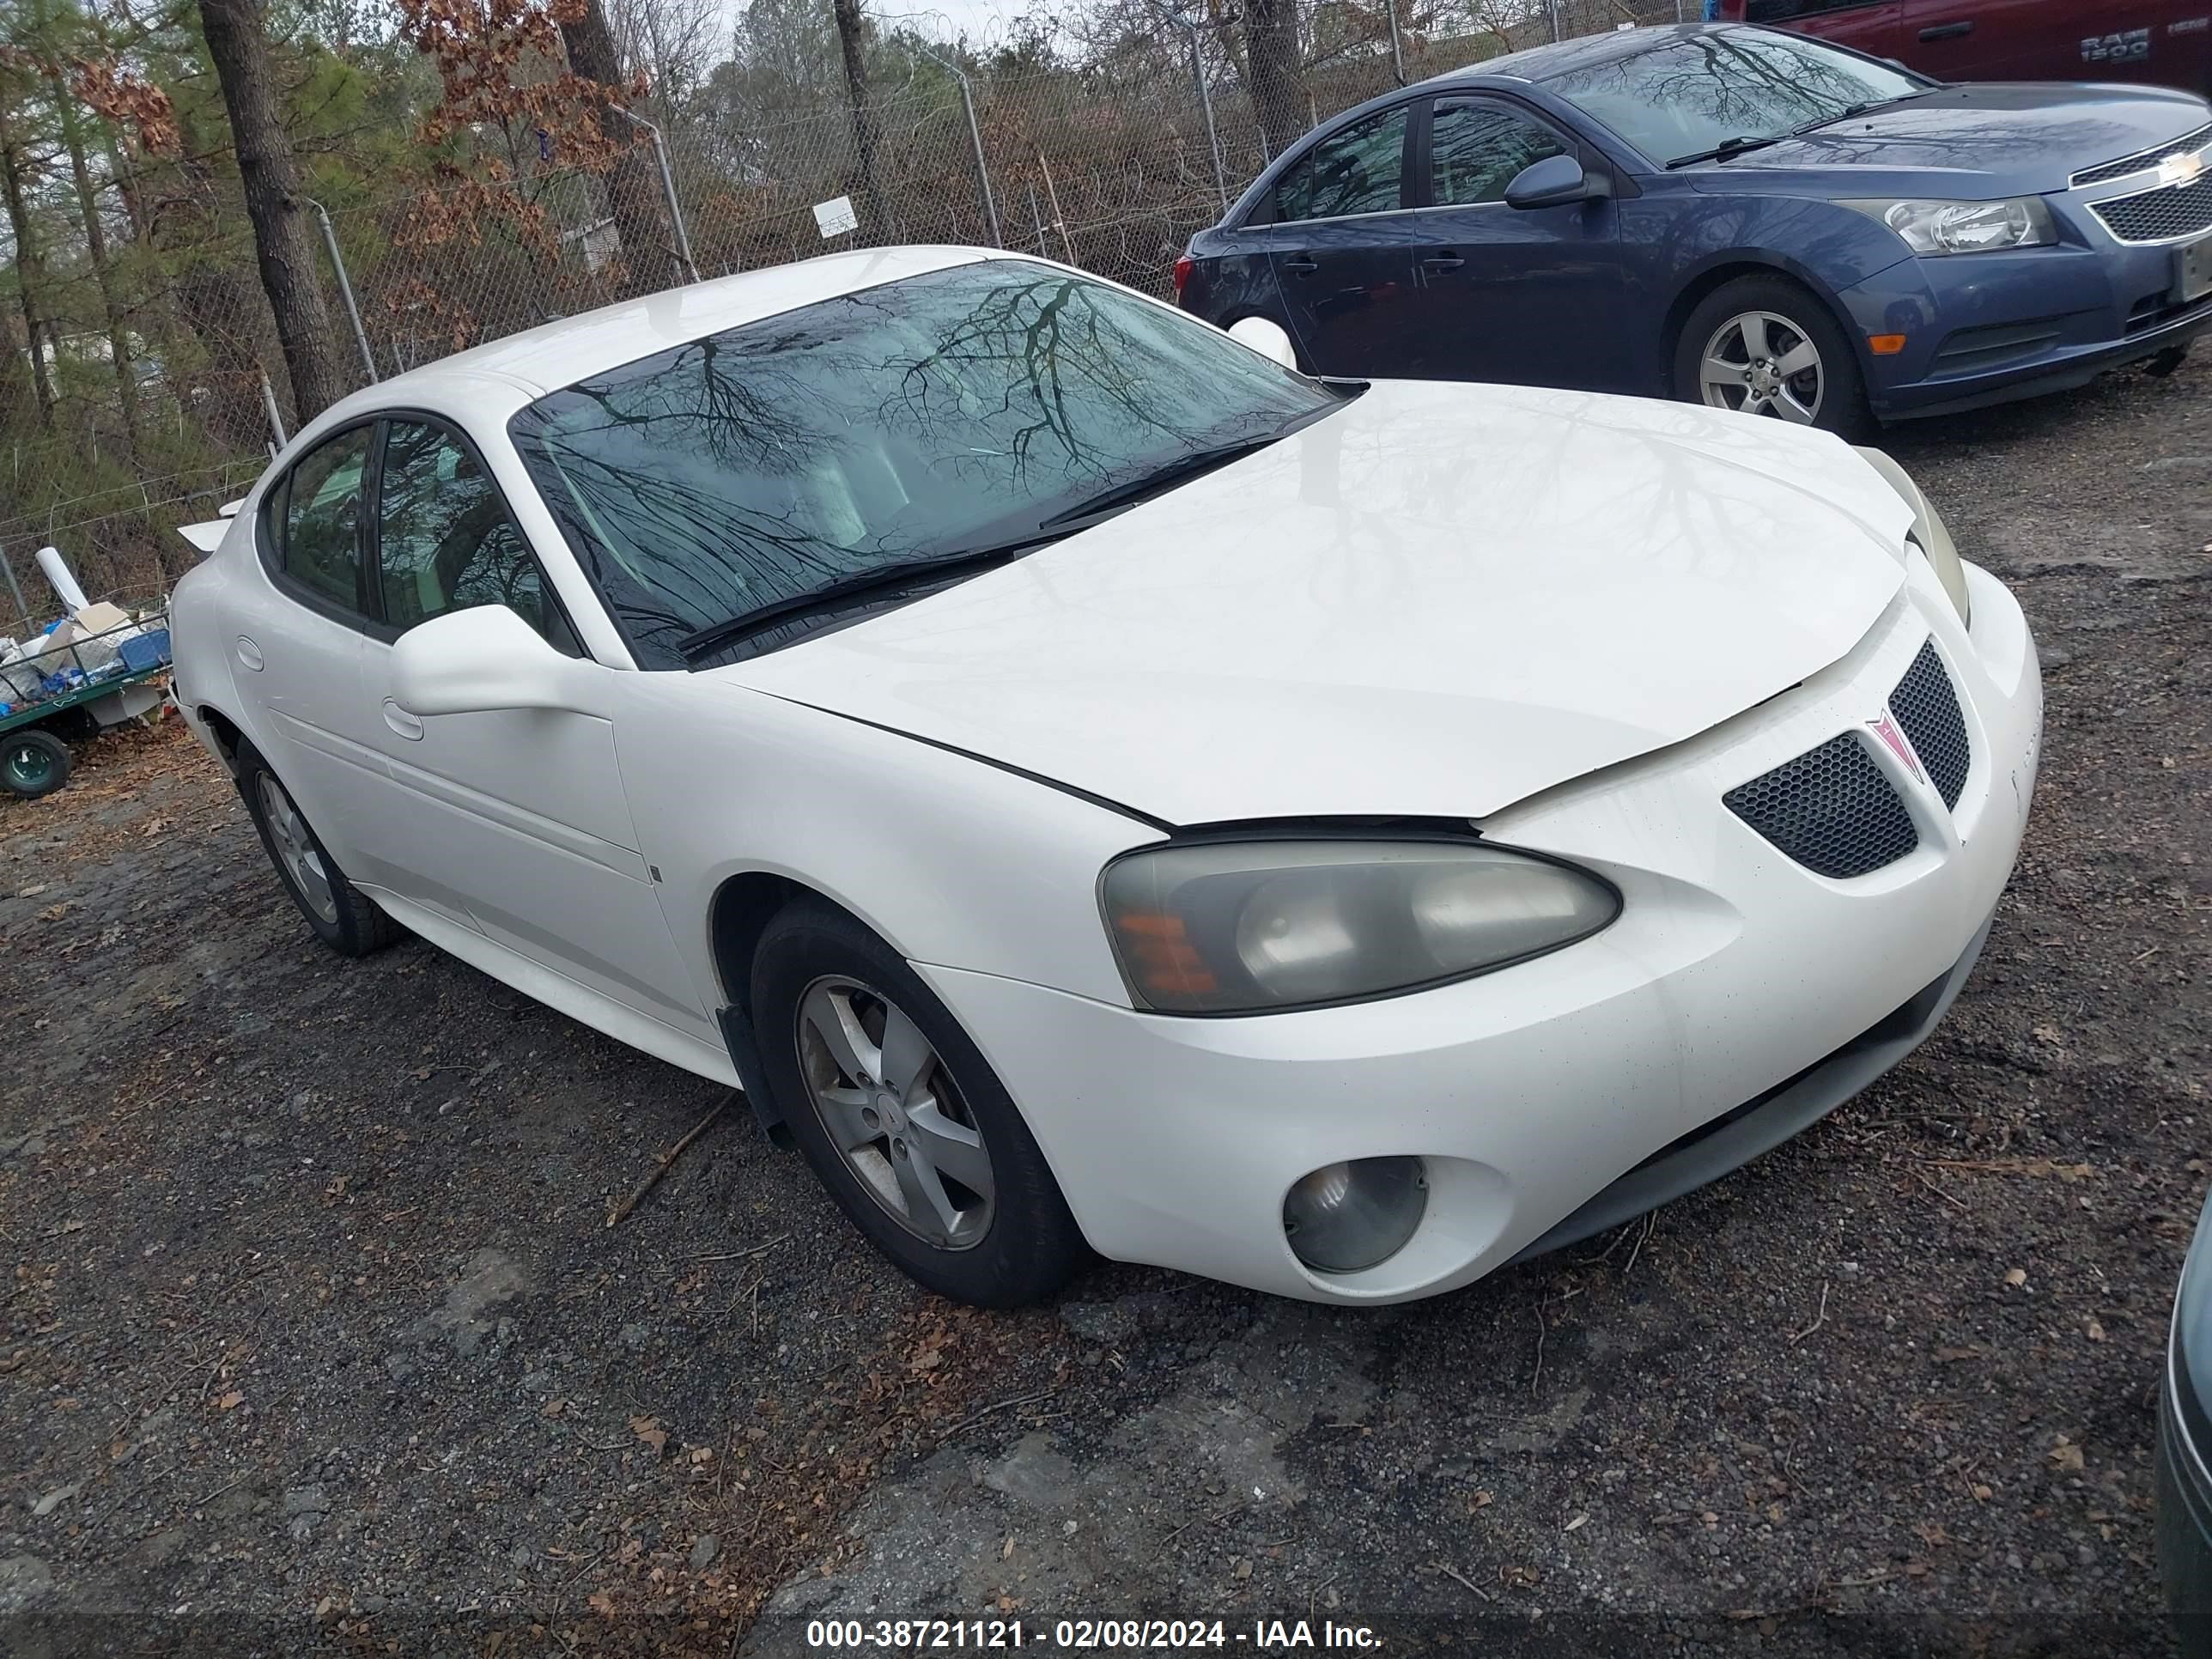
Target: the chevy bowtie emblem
(1886, 728)
(2180, 169)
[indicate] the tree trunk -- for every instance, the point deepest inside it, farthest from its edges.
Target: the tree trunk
(875, 215)
(635, 199)
(1277, 79)
(96, 240)
(283, 243)
(30, 271)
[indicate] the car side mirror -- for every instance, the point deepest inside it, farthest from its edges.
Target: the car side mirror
(1555, 182)
(472, 661)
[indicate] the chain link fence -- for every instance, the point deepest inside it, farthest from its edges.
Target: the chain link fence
(1110, 164)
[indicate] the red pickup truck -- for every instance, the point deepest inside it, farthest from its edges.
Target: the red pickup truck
(2167, 43)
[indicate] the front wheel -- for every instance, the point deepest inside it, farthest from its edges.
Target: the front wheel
(33, 763)
(901, 1117)
(1767, 345)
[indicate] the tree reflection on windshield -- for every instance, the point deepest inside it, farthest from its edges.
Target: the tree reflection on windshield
(906, 422)
(1688, 93)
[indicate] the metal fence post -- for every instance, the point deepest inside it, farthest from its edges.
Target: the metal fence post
(668, 189)
(1397, 46)
(1205, 103)
(345, 289)
(975, 138)
(13, 587)
(269, 406)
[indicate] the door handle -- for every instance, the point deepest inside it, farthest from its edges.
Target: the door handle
(402, 723)
(1947, 31)
(1302, 264)
(249, 654)
(1442, 262)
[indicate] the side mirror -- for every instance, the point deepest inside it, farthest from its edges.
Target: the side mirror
(1555, 182)
(472, 661)
(1267, 339)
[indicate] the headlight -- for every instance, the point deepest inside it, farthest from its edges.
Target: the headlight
(1965, 227)
(1929, 532)
(1251, 927)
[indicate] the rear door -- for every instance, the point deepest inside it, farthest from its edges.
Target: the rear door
(2045, 41)
(1536, 296)
(296, 636)
(1341, 239)
(1874, 27)
(512, 823)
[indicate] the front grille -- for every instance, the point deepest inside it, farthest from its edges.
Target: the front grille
(1926, 705)
(2144, 160)
(2159, 215)
(1831, 809)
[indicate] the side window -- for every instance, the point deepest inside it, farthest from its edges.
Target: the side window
(1475, 149)
(445, 542)
(320, 548)
(1357, 170)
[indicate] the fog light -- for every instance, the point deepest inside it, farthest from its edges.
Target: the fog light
(1345, 1217)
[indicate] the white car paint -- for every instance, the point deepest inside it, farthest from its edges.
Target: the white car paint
(1575, 620)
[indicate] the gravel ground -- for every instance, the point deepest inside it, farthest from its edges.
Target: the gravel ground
(318, 1336)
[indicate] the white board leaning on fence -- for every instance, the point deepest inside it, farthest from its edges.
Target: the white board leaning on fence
(835, 216)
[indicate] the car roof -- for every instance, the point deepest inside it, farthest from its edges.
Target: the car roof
(557, 354)
(1542, 63)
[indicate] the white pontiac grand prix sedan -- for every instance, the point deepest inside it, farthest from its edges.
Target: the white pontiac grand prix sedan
(1099, 787)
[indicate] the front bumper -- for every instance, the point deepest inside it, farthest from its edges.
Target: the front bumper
(1533, 1090)
(1990, 328)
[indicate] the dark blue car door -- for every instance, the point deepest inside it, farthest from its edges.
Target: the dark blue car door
(1341, 237)
(1534, 296)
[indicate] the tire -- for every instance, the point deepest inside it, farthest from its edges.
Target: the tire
(33, 763)
(1791, 318)
(1012, 1244)
(340, 914)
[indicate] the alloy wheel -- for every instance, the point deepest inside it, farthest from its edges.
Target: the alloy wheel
(295, 850)
(1759, 363)
(890, 1108)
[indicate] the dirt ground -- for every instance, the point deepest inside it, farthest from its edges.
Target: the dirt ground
(316, 1334)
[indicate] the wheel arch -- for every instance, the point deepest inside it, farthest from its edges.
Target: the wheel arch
(1722, 269)
(224, 731)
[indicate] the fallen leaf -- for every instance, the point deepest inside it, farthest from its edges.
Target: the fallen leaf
(2096, 1332)
(31, 891)
(230, 1401)
(1982, 1493)
(601, 1602)
(648, 1430)
(1578, 1522)
(1008, 1551)
(552, 1408)
(1480, 1500)
(2016, 1278)
(2065, 1456)
(2050, 1034)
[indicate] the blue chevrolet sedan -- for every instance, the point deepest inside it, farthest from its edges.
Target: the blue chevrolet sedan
(1754, 220)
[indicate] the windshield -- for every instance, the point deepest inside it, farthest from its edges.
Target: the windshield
(1689, 94)
(915, 420)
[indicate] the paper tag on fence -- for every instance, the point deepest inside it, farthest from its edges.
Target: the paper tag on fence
(837, 216)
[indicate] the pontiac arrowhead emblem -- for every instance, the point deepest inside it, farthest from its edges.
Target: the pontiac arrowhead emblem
(1895, 741)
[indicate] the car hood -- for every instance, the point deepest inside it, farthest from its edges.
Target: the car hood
(1998, 139)
(1433, 602)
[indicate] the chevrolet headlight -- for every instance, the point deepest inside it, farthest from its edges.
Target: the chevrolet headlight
(1256, 925)
(1931, 227)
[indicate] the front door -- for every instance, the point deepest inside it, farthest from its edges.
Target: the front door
(1341, 243)
(1868, 26)
(1536, 296)
(512, 822)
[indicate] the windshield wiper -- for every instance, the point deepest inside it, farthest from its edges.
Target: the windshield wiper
(1722, 150)
(1862, 107)
(1182, 469)
(884, 579)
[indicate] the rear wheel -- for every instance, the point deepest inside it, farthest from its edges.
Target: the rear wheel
(33, 763)
(341, 917)
(1766, 345)
(902, 1119)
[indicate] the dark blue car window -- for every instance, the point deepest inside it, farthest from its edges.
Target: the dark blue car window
(1688, 94)
(1476, 150)
(1357, 170)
